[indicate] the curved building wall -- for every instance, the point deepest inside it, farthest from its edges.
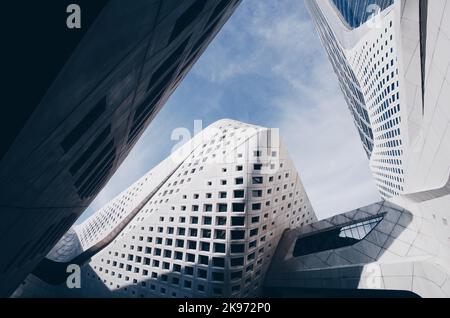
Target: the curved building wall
(209, 230)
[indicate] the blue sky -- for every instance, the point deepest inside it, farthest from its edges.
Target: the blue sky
(266, 67)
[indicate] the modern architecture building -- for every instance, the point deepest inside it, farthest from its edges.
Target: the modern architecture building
(392, 60)
(205, 222)
(69, 133)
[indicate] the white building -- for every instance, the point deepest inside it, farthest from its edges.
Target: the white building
(204, 222)
(395, 67)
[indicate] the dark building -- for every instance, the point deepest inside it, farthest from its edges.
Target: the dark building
(92, 94)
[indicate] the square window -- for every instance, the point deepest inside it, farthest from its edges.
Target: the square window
(208, 195)
(221, 220)
(193, 232)
(204, 246)
(218, 262)
(221, 207)
(207, 220)
(217, 276)
(223, 182)
(256, 193)
(237, 261)
(239, 193)
(180, 243)
(257, 166)
(239, 180)
(204, 260)
(207, 208)
(179, 255)
(190, 258)
(222, 195)
(237, 235)
(201, 273)
(256, 206)
(220, 234)
(177, 268)
(237, 248)
(194, 220)
(237, 221)
(206, 233)
(239, 168)
(195, 208)
(238, 207)
(192, 245)
(219, 248)
(257, 180)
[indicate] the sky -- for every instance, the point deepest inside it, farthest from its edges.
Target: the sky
(266, 67)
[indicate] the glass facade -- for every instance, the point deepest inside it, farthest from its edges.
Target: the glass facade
(357, 12)
(335, 238)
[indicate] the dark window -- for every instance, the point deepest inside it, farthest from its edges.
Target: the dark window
(222, 207)
(218, 277)
(257, 166)
(237, 235)
(239, 193)
(203, 260)
(221, 220)
(238, 207)
(218, 262)
(237, 248)
(220, 234)
(236, 275)
(188, 270)
(257, 180)
(190, 257)
(204, 246)
(237, 221)
(219, 248)
(201, 273)
(237, 261)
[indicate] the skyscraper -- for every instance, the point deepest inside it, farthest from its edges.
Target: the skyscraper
(65, 144)
(205, 222)
(392, 60)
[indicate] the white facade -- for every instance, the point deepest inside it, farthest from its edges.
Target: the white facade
(205, 221)
(400, 61)
(367, 61)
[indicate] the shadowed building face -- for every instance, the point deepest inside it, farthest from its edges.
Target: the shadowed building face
(81, 122)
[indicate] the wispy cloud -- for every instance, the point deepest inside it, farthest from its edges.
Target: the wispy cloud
(267, 67)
